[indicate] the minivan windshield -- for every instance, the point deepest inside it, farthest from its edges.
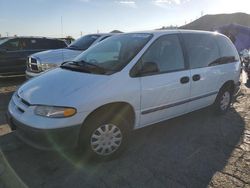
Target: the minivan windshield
(83, 43)
(110, 55)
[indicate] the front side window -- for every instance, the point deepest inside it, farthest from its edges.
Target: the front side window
(83, 43)
(12, 45)
(202, 49)
(166, 54)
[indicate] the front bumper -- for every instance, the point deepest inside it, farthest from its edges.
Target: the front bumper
(45, 138)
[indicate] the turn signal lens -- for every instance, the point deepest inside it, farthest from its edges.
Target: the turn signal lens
(69, 112)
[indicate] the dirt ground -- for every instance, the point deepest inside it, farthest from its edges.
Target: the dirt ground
(195, 150)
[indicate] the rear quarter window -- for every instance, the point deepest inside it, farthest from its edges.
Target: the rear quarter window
(226, 47)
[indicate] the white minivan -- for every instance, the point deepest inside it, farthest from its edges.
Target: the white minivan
(126, 82)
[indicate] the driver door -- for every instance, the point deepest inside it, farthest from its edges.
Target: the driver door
(12, 61)
(165, 93)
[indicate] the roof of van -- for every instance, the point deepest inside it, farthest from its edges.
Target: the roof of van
(168, 31)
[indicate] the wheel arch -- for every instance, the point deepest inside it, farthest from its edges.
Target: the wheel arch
(123, 108)
(229, 84)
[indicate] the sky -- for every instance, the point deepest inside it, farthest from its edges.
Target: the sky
(80, 17)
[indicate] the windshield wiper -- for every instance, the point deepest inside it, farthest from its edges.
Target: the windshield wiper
(74, 67)
(83, 65)
(92, 66)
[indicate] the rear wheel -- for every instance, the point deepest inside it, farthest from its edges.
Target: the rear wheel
(223, 101)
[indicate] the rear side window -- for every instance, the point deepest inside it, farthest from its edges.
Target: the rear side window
(227, 50)
(54, 44)
(32, 44)
(202, 49)
(41, 44)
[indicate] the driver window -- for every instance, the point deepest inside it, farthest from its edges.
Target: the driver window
(12, 45)
(166, 53)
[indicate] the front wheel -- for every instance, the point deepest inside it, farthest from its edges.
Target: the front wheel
(106, 139)
(103, 138)
(223, 101)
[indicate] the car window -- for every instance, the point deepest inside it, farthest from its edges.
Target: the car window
(84, 42)
(12, 45)
(167, 53)
(110, 53)
(226, 47)
(115, 52)
(53, 44)
(105, 38)
(3, 40)
(202, 49)
(32, 44)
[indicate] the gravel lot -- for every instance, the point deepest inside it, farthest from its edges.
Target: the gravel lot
(195, 150)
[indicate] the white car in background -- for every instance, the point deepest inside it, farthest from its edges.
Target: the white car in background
(40, 62)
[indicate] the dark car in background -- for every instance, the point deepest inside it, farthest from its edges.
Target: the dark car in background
(15, 50)
(38, 63)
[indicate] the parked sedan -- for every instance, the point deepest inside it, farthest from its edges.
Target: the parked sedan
(15, 50)
(40, 62)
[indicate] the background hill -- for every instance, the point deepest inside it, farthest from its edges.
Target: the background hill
(208, 22)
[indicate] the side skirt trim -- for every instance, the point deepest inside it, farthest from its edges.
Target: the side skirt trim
(177, 103)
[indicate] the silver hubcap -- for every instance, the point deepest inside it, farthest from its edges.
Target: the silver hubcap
(225, 100)
(106, 139)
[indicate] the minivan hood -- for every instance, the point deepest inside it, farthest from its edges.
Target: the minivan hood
(56, 56)
(60, 87)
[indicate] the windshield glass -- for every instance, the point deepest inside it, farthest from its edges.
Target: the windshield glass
(3, 40)
(83, 43)
(115, 52)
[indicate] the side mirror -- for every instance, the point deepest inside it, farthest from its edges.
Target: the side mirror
(149, 68)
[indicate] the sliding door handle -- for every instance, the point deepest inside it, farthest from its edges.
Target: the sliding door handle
(184, 80)
(196, 77)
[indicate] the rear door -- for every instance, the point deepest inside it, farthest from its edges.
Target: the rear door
(202, 52)
(164, 94)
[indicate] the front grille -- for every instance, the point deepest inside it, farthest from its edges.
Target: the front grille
(33, 60)
(33, 65)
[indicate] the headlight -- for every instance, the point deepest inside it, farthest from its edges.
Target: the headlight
(45, 66)
(54, 112)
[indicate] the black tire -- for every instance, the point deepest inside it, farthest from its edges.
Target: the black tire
(96, 121)
(218, 107)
